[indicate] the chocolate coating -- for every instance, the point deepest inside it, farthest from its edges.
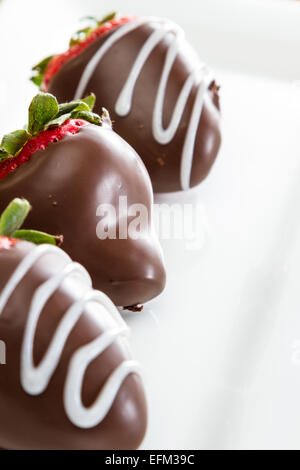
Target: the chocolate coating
(65, 185)
(40, 422)
(163, 162)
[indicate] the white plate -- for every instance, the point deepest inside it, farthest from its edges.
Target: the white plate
(221, 347)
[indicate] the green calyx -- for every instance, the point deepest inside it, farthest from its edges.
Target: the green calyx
(45, 113)
(92, 24)
(38, 71)
(12, 220)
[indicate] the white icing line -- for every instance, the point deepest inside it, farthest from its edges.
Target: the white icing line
(35, 380)
(92, 416)
(92, 65)
(189, 144)
(25, 265)
(124, 102)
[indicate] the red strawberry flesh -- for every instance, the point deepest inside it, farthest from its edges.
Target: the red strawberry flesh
(7, 243)
(58, 61)
(40, 142)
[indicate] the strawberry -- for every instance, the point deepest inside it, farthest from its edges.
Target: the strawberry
(70, 164)
(40, 142)
(60, 120)
(45, 70)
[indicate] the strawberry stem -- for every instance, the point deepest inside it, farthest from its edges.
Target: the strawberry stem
(44, 113)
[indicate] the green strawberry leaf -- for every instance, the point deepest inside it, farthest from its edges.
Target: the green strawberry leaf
(90, 101)
(87, 116)
(86, 104)
(43, 108)
(37, 80)
(79, 36)
(14, 216)
(83, 33)
(93, 19)
(70, 107)
(58, 121)
(12, 143)
(107, 18)
(3, 155)
(66, 108)
(41, 66)
(38, 238)
(82, 106)
(39, 71)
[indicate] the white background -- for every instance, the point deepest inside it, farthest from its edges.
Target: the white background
(221, 346)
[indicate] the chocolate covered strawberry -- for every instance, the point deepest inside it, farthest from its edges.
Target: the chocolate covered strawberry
(163, 100)
(69, 381)
(71, 165)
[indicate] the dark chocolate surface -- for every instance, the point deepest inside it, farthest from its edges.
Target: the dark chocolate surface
(40, 422)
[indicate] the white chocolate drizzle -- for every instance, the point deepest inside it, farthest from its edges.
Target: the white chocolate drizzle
(199, 77)
(35, 380)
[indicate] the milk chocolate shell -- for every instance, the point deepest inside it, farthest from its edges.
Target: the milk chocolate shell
(69, 381)
(162, 99)
(67, 182)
